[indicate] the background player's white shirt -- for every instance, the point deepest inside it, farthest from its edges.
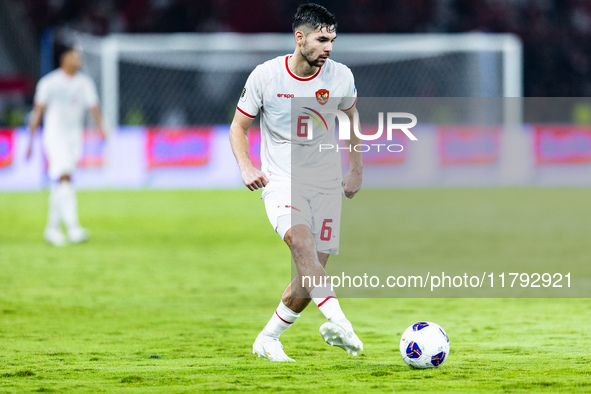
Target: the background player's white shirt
(66, 99)
(269, 90)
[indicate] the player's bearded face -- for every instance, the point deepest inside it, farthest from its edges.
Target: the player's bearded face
(317, 47)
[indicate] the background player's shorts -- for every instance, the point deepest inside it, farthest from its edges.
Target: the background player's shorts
(321, 212)
(62, 154)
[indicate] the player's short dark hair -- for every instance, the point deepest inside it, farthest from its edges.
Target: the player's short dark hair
(61, 50)
(315, 16)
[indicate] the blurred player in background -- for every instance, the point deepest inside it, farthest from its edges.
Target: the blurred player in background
(62, 98)
(305, 214)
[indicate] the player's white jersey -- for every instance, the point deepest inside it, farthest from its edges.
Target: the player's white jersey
(66, 99)
(269, 90)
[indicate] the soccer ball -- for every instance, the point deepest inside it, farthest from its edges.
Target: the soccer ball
(424, 345)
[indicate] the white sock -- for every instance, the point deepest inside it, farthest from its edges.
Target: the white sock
(69, 205)
(328, 304)
(282, 319)
(53, 213)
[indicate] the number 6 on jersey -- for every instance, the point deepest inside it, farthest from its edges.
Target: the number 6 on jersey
(302, 130)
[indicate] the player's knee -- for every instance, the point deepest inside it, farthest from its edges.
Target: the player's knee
(301, 244)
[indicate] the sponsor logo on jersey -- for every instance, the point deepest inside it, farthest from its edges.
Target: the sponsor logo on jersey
(322, 96)
(286, 95)
(243, 95)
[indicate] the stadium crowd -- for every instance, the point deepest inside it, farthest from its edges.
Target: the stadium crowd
(556, 33)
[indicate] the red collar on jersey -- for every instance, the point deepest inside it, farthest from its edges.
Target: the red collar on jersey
(295, 76)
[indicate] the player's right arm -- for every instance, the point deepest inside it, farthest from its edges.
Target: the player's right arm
(252, 177)
(34, 124)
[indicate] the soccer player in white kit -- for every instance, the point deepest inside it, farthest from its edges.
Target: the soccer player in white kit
(305, 211)
(62, 98)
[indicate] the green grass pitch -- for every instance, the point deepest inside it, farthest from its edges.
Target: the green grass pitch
(171, 291)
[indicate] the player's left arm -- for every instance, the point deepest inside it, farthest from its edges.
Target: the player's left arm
(97, 115)
(353, 179)
(34, 123)
(93, 105)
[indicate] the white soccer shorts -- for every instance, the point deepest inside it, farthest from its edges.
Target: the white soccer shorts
(63, 155)
(321, 212)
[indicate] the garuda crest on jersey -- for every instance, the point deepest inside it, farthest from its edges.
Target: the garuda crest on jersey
(322, 96)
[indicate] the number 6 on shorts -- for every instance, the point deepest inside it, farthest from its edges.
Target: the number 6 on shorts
(326, 231)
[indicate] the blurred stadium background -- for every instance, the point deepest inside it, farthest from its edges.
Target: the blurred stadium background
(169, 73)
